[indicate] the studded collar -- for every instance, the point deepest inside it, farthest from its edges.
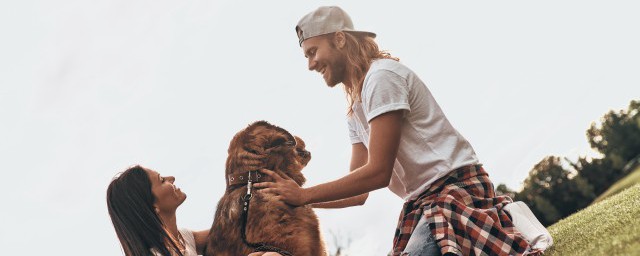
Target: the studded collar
(243, 178)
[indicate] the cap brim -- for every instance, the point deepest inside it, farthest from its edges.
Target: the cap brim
(366, 33)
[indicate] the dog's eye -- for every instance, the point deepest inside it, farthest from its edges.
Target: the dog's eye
(290, 143)
(278, 142)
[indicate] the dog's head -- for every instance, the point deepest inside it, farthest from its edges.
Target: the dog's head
(263, 145)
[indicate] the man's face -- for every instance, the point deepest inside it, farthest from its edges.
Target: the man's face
(325, 58)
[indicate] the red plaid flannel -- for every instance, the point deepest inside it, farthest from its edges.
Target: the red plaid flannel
(464, 215)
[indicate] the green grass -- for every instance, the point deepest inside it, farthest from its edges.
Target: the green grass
(628, 181)
(609, 227)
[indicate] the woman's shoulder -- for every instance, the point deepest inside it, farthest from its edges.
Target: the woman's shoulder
(189, 241)
(185, 232)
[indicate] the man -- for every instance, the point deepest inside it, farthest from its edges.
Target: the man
(402, 140)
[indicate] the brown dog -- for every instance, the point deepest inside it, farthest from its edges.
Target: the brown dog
(269, 221)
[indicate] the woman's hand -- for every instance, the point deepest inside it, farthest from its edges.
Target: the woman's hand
(284, 188)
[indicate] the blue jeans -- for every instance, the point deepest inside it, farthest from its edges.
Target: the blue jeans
(422, 242)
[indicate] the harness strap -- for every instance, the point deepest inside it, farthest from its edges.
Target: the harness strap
(257, 247)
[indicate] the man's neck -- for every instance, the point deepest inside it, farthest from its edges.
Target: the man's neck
(347, 79)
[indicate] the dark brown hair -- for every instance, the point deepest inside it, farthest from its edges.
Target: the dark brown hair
(138, 226)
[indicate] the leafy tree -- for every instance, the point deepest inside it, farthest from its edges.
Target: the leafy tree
(503, 190)
(617, 135)
(600, 173)
(553, 192)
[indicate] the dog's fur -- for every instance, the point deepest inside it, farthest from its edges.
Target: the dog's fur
(270, 221)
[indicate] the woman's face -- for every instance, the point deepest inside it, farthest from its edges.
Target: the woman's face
(167, 196)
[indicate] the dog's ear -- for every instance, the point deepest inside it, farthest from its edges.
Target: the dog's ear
(268, 136)
(255, 138)
(247, 148)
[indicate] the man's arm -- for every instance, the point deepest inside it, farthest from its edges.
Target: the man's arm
(359, 157)
(376, 174)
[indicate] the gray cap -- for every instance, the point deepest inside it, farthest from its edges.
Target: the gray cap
(325, 20)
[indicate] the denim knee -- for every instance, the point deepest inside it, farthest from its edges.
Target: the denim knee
(422, 242)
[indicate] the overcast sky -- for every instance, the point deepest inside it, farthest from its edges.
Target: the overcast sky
(88, 88)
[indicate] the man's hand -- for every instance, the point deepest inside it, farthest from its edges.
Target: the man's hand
(284, 188)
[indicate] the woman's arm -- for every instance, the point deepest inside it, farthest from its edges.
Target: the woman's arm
(359, 157)
(202, 238)
(376, 173)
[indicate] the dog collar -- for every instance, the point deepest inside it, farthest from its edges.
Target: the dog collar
(243, 178)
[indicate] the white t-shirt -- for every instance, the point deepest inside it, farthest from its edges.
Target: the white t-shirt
(429, 145)
(189, 243)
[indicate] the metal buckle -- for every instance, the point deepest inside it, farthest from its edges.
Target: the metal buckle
(249, 182)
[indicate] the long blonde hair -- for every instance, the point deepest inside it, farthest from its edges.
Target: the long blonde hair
(360, 50)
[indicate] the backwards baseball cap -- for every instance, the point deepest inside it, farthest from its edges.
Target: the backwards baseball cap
(325, 20)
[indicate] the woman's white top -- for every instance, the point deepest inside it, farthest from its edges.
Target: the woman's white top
(189, 243)
(429, 145)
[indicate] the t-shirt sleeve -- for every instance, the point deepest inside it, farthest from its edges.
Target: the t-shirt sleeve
(384, 91)
(353, 134)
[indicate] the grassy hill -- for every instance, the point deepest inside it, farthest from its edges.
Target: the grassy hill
(628, 181)
(609, 227)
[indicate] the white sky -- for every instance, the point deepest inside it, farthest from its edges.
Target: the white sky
(88, 88)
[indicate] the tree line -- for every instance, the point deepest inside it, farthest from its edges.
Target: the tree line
(557, 187)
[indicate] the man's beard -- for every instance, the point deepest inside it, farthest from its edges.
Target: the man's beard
(337, 73)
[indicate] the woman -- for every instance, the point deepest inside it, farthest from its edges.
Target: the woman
(401, 140)
(142, 205)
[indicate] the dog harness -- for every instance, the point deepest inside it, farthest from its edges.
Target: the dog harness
(241, 179)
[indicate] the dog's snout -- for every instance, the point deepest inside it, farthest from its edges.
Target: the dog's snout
(304, 153)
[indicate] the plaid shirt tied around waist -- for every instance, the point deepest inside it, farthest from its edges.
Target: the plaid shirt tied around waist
(464, 215)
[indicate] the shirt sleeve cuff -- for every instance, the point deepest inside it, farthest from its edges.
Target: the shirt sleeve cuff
(388, 108)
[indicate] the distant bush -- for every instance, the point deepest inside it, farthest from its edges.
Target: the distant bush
(557, 187)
